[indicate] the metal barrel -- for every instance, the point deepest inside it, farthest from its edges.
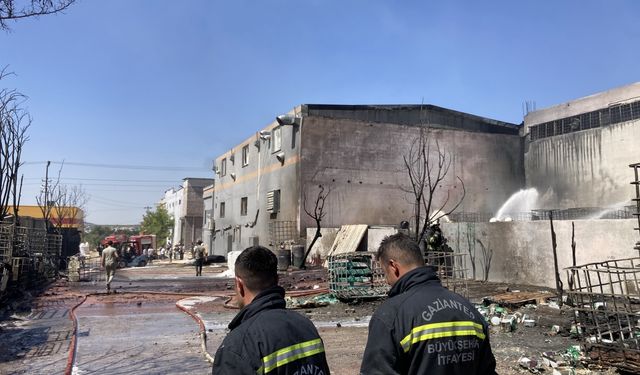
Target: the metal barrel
(284, 259)
(298, 255)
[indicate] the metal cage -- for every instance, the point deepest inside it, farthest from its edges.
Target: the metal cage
(606, 300)
(356, 275)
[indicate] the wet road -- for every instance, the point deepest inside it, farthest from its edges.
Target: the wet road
(150, 338)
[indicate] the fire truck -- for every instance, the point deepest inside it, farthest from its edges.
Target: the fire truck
(138, 243)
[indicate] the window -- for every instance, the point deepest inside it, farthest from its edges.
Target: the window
(221, 209)
(245, 155)
(223, 167)
(273, 201)
(243, 206)
(276, 135)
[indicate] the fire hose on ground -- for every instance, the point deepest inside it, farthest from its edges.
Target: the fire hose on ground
(74, 336)
(203, 332)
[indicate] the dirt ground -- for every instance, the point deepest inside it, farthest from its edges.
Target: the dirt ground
(140, 329)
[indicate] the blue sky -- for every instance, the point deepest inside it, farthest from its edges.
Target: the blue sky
(172, 84)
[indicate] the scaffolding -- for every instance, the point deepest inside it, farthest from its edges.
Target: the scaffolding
(356, 275)
(636, 200)
(606, 299)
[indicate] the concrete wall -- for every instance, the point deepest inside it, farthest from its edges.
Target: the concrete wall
(362, 163)
(522, 252)
(589, 168)
(323, 245)
(263, 173)
(590, 103)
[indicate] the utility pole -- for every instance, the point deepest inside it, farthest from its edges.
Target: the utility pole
(46, 195)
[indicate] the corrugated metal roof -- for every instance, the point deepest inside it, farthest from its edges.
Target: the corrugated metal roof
(348, 239)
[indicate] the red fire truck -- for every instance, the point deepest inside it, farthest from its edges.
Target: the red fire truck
(137, 242)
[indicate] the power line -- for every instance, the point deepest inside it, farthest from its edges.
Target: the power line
(121, 166)
(104, 179)
(98, 184)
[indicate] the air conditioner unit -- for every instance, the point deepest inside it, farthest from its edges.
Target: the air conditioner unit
(273, 201)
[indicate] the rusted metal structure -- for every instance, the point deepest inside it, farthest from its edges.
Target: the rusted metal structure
(358, 275)
(606, 299)
(451, 268)
(636, 200)
(27, 255)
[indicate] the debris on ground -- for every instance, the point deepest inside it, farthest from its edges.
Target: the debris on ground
(305, 302)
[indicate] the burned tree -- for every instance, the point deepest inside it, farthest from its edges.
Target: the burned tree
(487, 255)
(45, 199)
(317, 214)
(14, 123)
(427, 165)
(12, 10)
(65, 201)
(68, 203)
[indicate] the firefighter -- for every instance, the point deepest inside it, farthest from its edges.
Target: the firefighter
(266, 338)
(423, 328)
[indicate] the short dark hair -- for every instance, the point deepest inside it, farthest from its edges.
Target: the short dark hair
(257, 266)
(110, 243)
(402, 249)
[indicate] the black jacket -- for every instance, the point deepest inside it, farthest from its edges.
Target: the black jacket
(266, 338)
(425, 329)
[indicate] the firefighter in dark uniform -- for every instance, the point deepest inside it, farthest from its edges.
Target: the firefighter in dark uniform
(423, 328)
(266, 338)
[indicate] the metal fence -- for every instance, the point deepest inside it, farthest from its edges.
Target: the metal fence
(358, 275)
(452, 270)
(606, 299)
(579, 213)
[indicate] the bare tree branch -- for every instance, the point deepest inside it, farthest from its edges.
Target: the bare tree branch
(427, 166)
(317, 214)
(11, 10)
(14, 123)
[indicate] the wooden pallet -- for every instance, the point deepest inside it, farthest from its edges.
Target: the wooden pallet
(517, 299)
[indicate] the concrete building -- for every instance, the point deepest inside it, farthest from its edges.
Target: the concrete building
(357, 152)
(172, 202)
(577, 153)
(186, 206)
(207, 216)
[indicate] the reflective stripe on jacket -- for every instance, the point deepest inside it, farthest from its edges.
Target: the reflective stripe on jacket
(266, 338)
(423, 328)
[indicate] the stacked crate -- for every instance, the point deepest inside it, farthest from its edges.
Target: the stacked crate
(356, 275)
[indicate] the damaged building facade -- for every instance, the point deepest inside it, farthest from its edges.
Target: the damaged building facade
(576, 155)
(357, 152)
